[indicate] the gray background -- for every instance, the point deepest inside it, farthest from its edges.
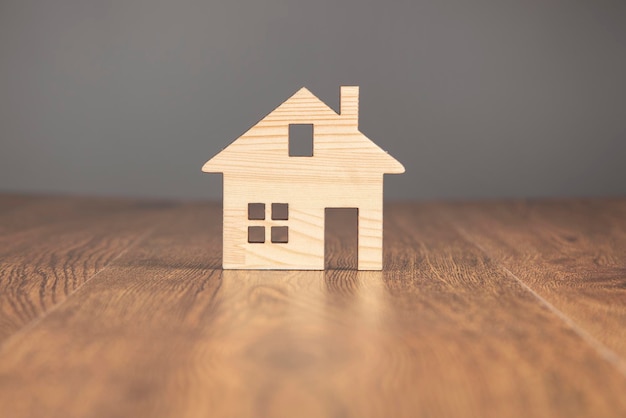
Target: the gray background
(477, 98)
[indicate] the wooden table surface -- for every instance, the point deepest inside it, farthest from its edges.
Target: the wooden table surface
(119, 308)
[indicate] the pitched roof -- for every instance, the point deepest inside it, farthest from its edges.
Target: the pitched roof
(334, 133)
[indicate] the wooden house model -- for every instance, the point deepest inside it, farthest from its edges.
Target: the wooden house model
(275, 196)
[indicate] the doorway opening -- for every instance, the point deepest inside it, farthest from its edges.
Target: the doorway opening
(341, 238)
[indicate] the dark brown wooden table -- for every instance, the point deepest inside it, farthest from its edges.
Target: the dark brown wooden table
(119, 308)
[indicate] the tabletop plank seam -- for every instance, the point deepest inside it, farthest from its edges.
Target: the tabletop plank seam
(30, 325)
(605, 352)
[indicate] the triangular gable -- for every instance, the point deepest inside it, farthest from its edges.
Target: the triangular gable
(302, 107)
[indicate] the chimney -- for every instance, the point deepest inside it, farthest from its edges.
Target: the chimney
(349, 107)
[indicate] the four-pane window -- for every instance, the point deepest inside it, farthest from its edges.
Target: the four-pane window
(279, 234)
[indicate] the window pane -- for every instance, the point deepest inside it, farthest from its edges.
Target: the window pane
(280, 234)
(301, 140)
(256, 234)
(280, 211)
(256, 211)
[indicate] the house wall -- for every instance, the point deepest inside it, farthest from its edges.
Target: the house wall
(307, 197)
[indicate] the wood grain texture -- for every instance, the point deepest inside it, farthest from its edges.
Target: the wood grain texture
(69, 240)
(443, 331)
(345, 171)
(570, 252)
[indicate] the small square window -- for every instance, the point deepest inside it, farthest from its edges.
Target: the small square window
(301, 140)
(256, 211)
(280, 234)
(256, 234)
(280, 211)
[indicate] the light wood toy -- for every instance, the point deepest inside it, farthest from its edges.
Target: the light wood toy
(275, 195)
